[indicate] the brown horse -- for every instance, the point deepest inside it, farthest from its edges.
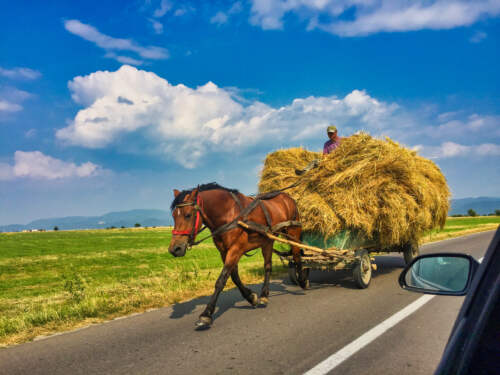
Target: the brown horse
(219, 208)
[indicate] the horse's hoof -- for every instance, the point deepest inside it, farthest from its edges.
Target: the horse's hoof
(204, 322)
(263, 301)
(254, 299)
(305, 284)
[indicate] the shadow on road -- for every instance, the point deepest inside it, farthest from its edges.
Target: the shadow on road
(319, 279)
(228, 299)
(385, 264)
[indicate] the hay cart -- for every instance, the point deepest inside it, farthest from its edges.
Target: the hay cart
(357, 259)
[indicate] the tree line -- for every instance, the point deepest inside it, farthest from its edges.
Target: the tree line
(472, 212)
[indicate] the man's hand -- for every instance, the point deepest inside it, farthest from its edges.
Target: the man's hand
(311, 165)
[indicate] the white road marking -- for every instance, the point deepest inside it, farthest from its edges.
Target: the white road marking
(336, 359)
(347, 351)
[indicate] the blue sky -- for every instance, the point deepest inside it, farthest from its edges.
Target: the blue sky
(109, 105)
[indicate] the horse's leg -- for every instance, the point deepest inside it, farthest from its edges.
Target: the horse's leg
(247, 293)
(267, 252)
(294, 233)
(232, 258)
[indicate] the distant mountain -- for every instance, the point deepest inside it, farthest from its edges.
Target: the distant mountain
(147, 218)
(482, 205)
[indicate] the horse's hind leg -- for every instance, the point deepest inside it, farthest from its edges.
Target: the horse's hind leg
(294, 233)
(267, 252)
(247, 293)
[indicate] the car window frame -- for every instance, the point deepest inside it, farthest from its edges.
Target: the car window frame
(474, 315)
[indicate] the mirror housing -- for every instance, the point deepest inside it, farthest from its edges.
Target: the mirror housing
(440, 273)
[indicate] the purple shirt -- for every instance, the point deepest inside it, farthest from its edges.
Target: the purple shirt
(330, 146)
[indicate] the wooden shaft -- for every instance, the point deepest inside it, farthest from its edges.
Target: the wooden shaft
(329, 253)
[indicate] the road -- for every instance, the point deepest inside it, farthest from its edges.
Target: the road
(293, 334)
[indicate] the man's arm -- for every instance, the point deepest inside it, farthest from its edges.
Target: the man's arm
(325, 148)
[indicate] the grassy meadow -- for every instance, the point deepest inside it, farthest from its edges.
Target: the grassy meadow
(459, 226)
(51, 281)
(54, 281)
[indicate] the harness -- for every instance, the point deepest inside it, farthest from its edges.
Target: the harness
(243, 216)
(197, 203)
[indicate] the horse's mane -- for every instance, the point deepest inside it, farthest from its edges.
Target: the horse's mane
(210, 186)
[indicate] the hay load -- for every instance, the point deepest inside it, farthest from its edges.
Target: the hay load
(379, 190)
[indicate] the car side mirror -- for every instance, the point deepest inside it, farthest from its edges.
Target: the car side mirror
(443, 273)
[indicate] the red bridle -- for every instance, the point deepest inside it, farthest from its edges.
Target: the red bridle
(197, 206)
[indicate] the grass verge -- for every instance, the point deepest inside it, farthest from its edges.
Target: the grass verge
(56, 281)
(461, 226)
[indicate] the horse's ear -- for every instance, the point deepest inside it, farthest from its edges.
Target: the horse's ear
(176, 193)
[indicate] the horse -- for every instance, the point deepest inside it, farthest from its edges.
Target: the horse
(219, 209)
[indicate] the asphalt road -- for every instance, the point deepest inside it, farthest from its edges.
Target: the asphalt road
(294, 333)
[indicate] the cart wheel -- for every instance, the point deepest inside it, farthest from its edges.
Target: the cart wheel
(410, 251)
(292, 274)
(363, 270)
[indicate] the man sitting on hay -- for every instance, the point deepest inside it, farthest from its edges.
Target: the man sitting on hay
(333, 140)
(329, 146)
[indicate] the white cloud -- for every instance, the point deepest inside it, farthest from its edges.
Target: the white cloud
(20, 73)
(37, 165)
(109, 44)
(478, 37)
(157, 26)
(6, 106)
(185, 9)
(457, 126)
(220, 18)
(165, 6)
(124, 59)
(6, 172)
(237, 7)
(11, 99)
(30, 133)
(373, 16)
(451, 149)
(445, 116)
(15, 95)
(186, 124)
(488, 149)
(269, 14)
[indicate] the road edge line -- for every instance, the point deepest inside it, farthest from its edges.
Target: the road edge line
(458, 237)
(347, 351)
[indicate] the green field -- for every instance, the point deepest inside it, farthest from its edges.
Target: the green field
(462, 225)
(52, 281)
(57, 280)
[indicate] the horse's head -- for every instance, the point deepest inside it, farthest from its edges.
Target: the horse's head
(187, 221)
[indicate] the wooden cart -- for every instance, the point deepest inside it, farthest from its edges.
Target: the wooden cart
(332, 258)
(357, 260)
